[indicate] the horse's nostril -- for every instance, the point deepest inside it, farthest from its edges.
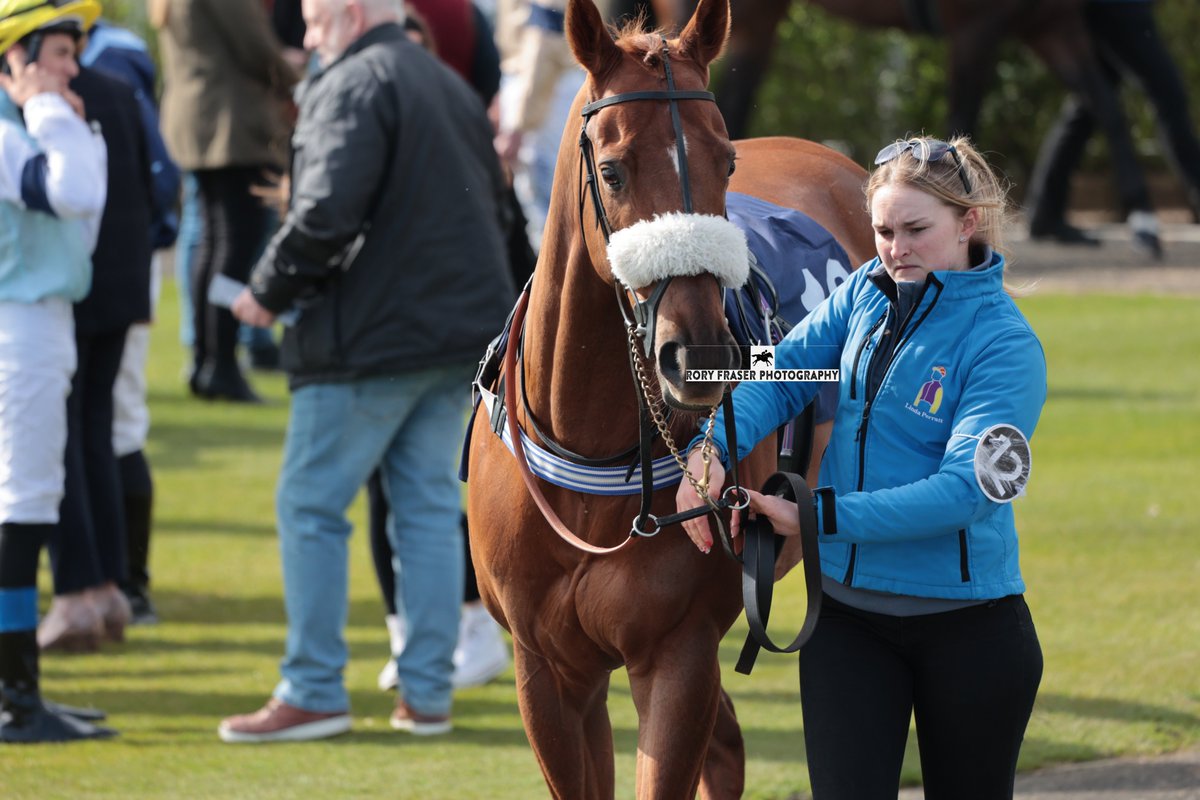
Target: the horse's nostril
(733, 354)
(668, 362)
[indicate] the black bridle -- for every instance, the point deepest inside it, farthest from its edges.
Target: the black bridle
(641, 314)
(644, 312)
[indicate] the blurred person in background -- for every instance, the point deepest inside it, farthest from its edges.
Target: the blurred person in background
(88, 549)
(393, 256)
(225, 82)
(481, 654)
(52, 190)
(122, 54)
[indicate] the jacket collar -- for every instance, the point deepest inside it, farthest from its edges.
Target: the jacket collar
(984, 279)
(380, 34)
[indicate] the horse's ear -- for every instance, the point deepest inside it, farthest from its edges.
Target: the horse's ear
(705, 34)
(589, 38)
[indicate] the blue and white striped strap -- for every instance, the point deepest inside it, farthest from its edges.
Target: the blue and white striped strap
(608, 481)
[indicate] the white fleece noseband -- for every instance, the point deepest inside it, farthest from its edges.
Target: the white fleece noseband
(675, 245)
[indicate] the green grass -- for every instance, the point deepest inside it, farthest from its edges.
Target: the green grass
(1111, 554)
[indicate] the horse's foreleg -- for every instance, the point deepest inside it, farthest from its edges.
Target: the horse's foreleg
(677, 694)
(1073, 61)
(567, 723)
(972, 63)
(746, 60)
(725, 763)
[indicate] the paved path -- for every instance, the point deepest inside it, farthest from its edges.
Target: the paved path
(1170, 777)
(1114, 266)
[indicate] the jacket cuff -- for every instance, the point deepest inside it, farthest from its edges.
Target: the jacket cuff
(825, 502)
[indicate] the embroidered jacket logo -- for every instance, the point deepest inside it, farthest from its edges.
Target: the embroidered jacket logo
(930, 397)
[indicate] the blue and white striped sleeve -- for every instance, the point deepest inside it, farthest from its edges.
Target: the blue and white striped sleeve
(69, 176)
(16, 153)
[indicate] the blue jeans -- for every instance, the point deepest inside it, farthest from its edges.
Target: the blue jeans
(411, 426)
(186, 245)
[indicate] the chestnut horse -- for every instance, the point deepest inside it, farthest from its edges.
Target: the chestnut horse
(657, 149)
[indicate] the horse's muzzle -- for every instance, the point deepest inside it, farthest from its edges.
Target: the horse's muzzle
(679, 363)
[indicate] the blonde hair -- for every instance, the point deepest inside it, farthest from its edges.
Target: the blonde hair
(947, 179)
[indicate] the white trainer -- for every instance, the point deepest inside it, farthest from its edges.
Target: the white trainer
(388, 680)
(481, 655)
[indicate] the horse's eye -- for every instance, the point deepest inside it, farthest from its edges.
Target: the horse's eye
(611, 176)
(732, 166)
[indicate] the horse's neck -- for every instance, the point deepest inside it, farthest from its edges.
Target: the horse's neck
(576, 357)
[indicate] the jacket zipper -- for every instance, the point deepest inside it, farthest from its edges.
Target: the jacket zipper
(857, 356)
(963, 566)
(901, 340)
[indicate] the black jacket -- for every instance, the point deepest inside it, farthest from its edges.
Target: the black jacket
(392, 246)
(120, 293)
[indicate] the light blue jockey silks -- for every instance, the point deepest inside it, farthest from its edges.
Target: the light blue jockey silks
(41, 255)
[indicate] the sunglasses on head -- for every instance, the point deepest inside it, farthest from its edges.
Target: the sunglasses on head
(927, 150)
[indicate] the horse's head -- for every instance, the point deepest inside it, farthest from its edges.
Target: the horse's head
(659, 160)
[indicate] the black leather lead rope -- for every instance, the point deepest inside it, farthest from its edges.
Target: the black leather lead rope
(760, 551)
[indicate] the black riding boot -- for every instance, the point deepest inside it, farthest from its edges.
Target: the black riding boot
(138, 488)
(219, 376)
(24, 718)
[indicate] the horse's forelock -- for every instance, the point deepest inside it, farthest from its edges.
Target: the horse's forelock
(632, 28)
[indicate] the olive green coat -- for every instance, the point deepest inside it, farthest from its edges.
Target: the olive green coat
(225, 84)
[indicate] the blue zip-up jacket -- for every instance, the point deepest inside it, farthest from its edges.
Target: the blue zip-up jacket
(907, 513)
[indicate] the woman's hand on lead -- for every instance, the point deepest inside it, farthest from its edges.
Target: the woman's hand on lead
(698, 529)
(784, 515)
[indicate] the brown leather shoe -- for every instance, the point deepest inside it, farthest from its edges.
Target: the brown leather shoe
(405, 718)
(279, 722)
(72, 625)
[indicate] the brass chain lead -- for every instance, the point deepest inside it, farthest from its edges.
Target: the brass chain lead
(655, 403)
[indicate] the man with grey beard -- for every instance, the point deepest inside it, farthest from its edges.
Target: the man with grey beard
(392, 255)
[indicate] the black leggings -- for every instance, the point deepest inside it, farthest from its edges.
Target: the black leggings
(968, 676)
(235, 222)
(87, 548)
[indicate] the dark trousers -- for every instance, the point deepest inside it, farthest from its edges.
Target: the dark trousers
(87, 548)
(969, 677)
(137, 488)
(1129, 46)
(378, 509)
(234, 223)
